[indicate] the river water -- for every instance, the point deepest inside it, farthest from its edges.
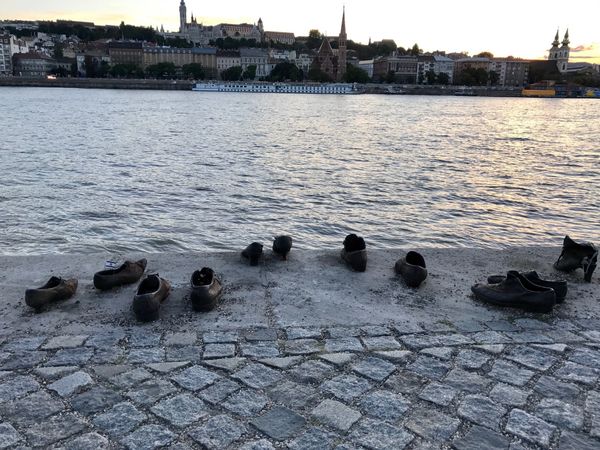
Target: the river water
(105, 170)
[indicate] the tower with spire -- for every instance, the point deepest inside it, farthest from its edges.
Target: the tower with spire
(182, 16)
(560, 53)
(342, 58)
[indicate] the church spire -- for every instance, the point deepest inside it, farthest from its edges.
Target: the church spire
(566, 40)
(343, 30)
(556, 42)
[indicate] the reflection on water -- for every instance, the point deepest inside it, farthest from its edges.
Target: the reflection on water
(175, 171)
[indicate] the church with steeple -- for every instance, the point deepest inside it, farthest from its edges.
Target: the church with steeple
(333, 62)
(560, 53)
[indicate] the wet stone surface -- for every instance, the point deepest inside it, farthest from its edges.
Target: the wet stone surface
(463, 386)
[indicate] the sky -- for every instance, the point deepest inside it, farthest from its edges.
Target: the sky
(509, 28)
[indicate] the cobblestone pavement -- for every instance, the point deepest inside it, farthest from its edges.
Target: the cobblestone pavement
(521, 385)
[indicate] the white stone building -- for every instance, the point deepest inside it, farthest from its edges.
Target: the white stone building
(255, 57)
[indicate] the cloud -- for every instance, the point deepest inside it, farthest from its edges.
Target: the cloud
(583, 48)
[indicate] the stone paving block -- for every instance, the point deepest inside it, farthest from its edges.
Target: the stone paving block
(180, 339)
(494, 349)
(559, 335)
(51, 373)
(25, 344)
(219, 391)
(405, 382)
(167, 367)
(482, 411)
(18, 387)
(8, 435)
(229, 364)
(108, 356)
(479, 438)
(444, 353)
(407, 328)
(192, 353)
(181, 410)
(195, 378)
(576, 441)
(587, 357)
(557, 348)
(303, 333)
(349, 344)
(336, 415)
(339, 359)
(130, 378)
(531, 324)
(108, 371)
(71, 383)
(471, 359)
(385, 405)
(398, 356)
(257, 376)
(262, 444)
(343, 332)
(146, 355)
(377, 435)
(346, 387)
(530, 428)
(467, 381)
(151, 391)
(303, 347)
(220, 337)
(491, 338)
(592, 335)
(88, 441)
(431, 368)
(439, 394)
(282, 363)
(259, 349)
(552, 388)
(245, 402)
(509, 395)
(143, 338)
(31, 409)
(532, 358)
(432, 424)
(120, 419)
(469, 326)
(420, 341)
(24, 360)
(501, 325)
(313, 439)
(510, 373)
(311, 372)
(260, 334)
(560, 413)
(71, 357)
(51, 430)
(592, 403)
(105, 340)
(219, 432)
(529, 337)
(292, 394)
(381, 343)
(279, 423)
(95, 400)
(438, 327)
(375, 330)
(148, 437)
(65, 341)
(374, 368)
(215, 351)
(578, 373)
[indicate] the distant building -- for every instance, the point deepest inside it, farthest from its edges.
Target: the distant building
(511, 71)
(402, 68)
(122, 52)
(436, 63)
(226, 59)
(255, 57)
(206, 57)
(280, 37)
(333, 63)
(32, 65)
(5, 55)
(461, 65)
(367, 66)
(560, 54)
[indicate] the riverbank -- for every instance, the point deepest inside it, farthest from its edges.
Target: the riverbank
(184, 85)
(300, 354)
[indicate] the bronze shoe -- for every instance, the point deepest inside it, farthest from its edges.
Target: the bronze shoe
(206, 290)
(412, 269)
(128, 273)
(54, 290)
(151, 292)
(282, 246)
(253, 253)
(354, 252)
(575, 255)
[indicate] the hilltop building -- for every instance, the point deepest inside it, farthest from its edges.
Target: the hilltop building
(5, 55)
(333, 63)
(202, 34)
(560, 54)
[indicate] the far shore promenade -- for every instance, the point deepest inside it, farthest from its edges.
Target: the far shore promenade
(300, 354)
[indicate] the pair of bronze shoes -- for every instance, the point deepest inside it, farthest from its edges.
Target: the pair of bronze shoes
(281, 246)
(577, 255)
(206, 290)
(56, 289)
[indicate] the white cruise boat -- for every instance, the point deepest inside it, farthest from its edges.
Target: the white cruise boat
(283, 88)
